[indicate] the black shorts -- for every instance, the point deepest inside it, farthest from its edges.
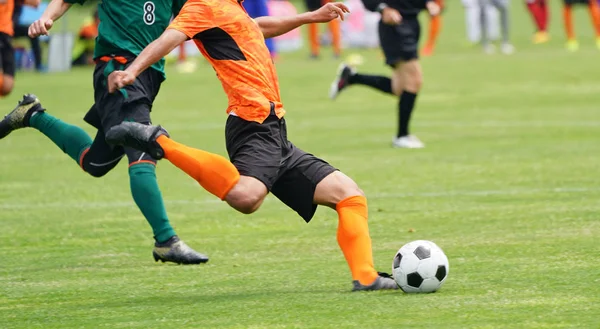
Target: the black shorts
(132, 103)
(577, 2)
(312, 5)
(400, 42)
(263, 151)
(7, 55)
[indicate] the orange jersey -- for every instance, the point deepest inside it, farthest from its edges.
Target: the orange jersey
(234, 45)
(6, 12)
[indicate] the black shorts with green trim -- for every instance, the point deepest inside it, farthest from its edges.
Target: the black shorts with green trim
(132, 103)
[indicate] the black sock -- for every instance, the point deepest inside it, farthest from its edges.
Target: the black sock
(376, 81)
(405, 108)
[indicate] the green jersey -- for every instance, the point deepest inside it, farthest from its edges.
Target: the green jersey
(128, 26)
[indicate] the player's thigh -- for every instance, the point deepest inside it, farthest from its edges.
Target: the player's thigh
(101, 157)
(298, 182)
(334, 188)
(256, 151)
(400, 42)
(411, 75)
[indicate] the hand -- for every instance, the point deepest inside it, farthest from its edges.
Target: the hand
(119, 79)
(40, 27)
(433, 8)
(329, 12)
(391, 16)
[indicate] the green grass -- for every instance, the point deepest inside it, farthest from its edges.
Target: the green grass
(507, 186)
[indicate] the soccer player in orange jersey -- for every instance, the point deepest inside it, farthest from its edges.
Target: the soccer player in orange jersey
(7, 53)
(435, 27)
(594, 10)
(263, 160)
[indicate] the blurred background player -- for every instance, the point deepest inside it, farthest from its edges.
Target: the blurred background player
(258, 8)
(115, 48)
(435, 26)
(540, 11)
(20, 31)
(594, 10)
(83, 50)
(502, 7)
(335, 29)
(399, 32)
(7, 52)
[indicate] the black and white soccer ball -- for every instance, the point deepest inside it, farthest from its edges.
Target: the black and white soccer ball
(420, 266)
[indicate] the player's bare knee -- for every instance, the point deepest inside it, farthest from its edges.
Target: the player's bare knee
(335, 188)
(247, 195)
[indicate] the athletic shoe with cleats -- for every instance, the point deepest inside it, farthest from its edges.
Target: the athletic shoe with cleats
(409, 142)
(344, 73)
(19, 117)
(176, 251)
(138, 136)
(383, 282)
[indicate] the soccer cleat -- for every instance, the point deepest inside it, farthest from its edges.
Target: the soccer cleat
(507, 48)
(383, 282)
(541, 37)
(409, 142)
(572, 45)
(19, 117)
(176, 251)
(138, 136)
(341, 80)
(427, 51)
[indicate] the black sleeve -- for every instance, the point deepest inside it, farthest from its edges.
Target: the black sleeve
(372, 4)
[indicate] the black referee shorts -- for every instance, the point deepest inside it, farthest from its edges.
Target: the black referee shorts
(400, 42)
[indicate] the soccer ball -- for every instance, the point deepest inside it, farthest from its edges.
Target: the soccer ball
(420, 266)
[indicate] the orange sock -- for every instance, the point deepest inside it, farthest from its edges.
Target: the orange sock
(595, 14)
(354, 240)
(568, 18)
(182, 55)
(313, 38)
(215, 173)
(336, 36)
(435, 26)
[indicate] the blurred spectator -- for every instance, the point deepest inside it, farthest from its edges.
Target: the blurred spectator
(502, 7)
(472, 18)
(540, 11)
(335, 29)
(83, 51)
(21, 19)
(258, 8)
(594, 9)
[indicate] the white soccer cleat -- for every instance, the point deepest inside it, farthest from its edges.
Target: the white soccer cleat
(507, 48)
(407, 142)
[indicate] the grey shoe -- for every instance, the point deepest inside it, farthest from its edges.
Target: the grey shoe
(138, 136)
(383, 282)
(176, 251)
(19, 117)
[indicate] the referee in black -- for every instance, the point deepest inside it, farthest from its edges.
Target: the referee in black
(399, 32)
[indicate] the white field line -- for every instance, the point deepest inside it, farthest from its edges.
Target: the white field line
(205, 201)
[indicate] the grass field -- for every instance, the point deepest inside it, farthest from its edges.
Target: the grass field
(507, 186)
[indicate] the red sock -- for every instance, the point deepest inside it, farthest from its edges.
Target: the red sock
(545, 10)
(537, 14)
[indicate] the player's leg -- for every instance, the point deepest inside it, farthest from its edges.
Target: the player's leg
(335, 29)
(502, 7)
(313, 30)
(572, 43)
(407, 81)
(7, 65)
(594, 9)
(435, 26)
(306, 181)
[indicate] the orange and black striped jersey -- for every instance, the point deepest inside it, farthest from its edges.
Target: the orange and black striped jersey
(6, 13)
(234, 45)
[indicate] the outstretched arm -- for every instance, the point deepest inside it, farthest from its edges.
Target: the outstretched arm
(54, 11)
(274, 26)
(158, 49)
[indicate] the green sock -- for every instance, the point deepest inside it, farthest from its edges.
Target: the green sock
(70, 139)
(147, 196)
